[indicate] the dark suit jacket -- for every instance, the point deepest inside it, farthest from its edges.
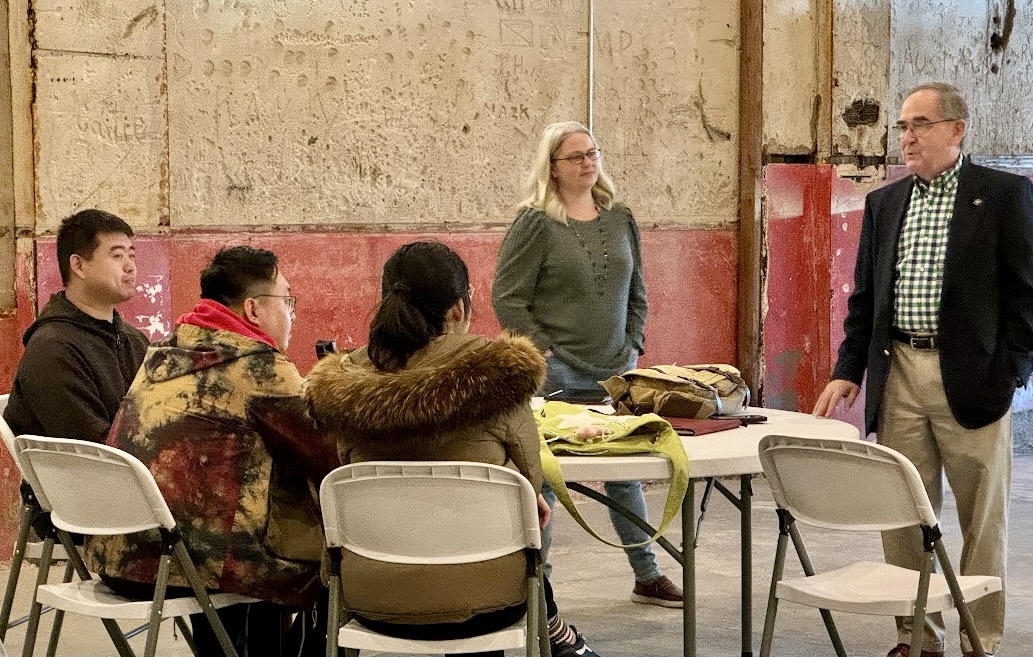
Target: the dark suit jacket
(986, 306)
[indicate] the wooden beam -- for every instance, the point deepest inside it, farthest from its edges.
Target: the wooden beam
(7, 231)
(751, 233)
(823, 53)
(22, 80)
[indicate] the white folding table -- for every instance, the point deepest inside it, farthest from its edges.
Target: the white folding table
(731, 453)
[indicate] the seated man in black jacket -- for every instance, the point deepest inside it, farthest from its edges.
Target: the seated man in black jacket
(80, 357)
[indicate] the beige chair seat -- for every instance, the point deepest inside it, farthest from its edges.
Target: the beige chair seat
(879, 589)
(94, 598)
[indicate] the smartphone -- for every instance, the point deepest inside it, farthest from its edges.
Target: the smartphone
(324, 347)
(751, 418)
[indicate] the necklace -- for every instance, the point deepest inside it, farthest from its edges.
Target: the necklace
(600, 265)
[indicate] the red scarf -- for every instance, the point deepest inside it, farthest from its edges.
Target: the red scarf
(213, 315)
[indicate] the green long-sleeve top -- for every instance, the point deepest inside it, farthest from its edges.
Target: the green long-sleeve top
(576, 289)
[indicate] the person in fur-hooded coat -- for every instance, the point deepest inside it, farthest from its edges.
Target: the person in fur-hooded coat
(459, 398)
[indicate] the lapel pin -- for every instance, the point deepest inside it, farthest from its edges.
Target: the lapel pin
(977, 202)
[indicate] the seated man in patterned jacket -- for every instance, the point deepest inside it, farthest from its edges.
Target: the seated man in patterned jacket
(215, 413)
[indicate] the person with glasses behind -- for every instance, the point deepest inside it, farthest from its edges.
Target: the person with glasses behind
(424, 389)
(569, 275)
(216, 414)
(941, 319)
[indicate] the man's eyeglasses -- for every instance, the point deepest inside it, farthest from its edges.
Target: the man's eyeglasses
(290, 300)
(918, 127)
(578, 158)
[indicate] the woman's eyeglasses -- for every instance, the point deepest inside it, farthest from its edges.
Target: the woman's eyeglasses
(578, 158)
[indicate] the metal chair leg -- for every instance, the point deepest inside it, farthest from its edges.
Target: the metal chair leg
(960, 603)
(205, 601)
(808, 569)
(59, 616)
(74, 558)
(918, 620)
(333, 615)
(36, 610)
(776, 577)
(24, 525)
(334, 612)
(531, 647)
(544, 647)
(158, 605)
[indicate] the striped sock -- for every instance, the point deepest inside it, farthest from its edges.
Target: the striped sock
(559, 631)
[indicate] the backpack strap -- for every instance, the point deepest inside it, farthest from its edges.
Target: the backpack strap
(668, 443)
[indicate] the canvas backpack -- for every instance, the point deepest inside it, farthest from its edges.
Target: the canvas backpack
(697, 391)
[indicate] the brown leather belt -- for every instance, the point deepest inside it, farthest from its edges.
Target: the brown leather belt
(915, 340)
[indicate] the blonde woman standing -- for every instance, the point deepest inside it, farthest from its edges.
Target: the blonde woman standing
(569, 275)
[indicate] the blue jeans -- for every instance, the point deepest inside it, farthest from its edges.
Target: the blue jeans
(626, 493)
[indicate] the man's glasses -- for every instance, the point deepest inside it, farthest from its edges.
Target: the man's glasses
(578, 158)
(288, 299)
(918, 127)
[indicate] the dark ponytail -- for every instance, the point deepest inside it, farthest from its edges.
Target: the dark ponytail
(421, 281)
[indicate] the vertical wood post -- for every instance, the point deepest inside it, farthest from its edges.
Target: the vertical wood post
(751, 235)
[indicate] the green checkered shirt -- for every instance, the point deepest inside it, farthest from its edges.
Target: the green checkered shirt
(921, 251)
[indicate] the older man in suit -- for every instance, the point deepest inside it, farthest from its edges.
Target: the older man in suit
(941, 318)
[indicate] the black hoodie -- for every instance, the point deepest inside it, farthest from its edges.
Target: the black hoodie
(74, 373)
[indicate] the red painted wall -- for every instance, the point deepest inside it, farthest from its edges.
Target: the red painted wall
(336, 277)
(847, 205)
(11, 328)
(814, 226)
(691, 278)
(796, 325)
(10, 348)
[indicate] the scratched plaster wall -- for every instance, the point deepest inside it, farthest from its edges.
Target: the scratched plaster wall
(99, 110)
(860, 75)
(667, 107)
(984, 47)
(361, 112)
(847, 41)
(199, 114)
(791, 93)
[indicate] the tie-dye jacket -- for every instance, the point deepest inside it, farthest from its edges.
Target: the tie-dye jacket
(218, 420)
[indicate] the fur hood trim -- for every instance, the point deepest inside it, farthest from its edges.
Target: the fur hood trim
(483, 379)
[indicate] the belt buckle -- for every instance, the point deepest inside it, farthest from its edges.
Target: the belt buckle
(922, 341)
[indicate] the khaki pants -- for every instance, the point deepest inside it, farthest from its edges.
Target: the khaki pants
(915, 420)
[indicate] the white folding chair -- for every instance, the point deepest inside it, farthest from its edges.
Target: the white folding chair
(392, 511)
(860, 486)
(94, 489)
(23, 549)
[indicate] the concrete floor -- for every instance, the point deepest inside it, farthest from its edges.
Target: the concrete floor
(593, 583)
